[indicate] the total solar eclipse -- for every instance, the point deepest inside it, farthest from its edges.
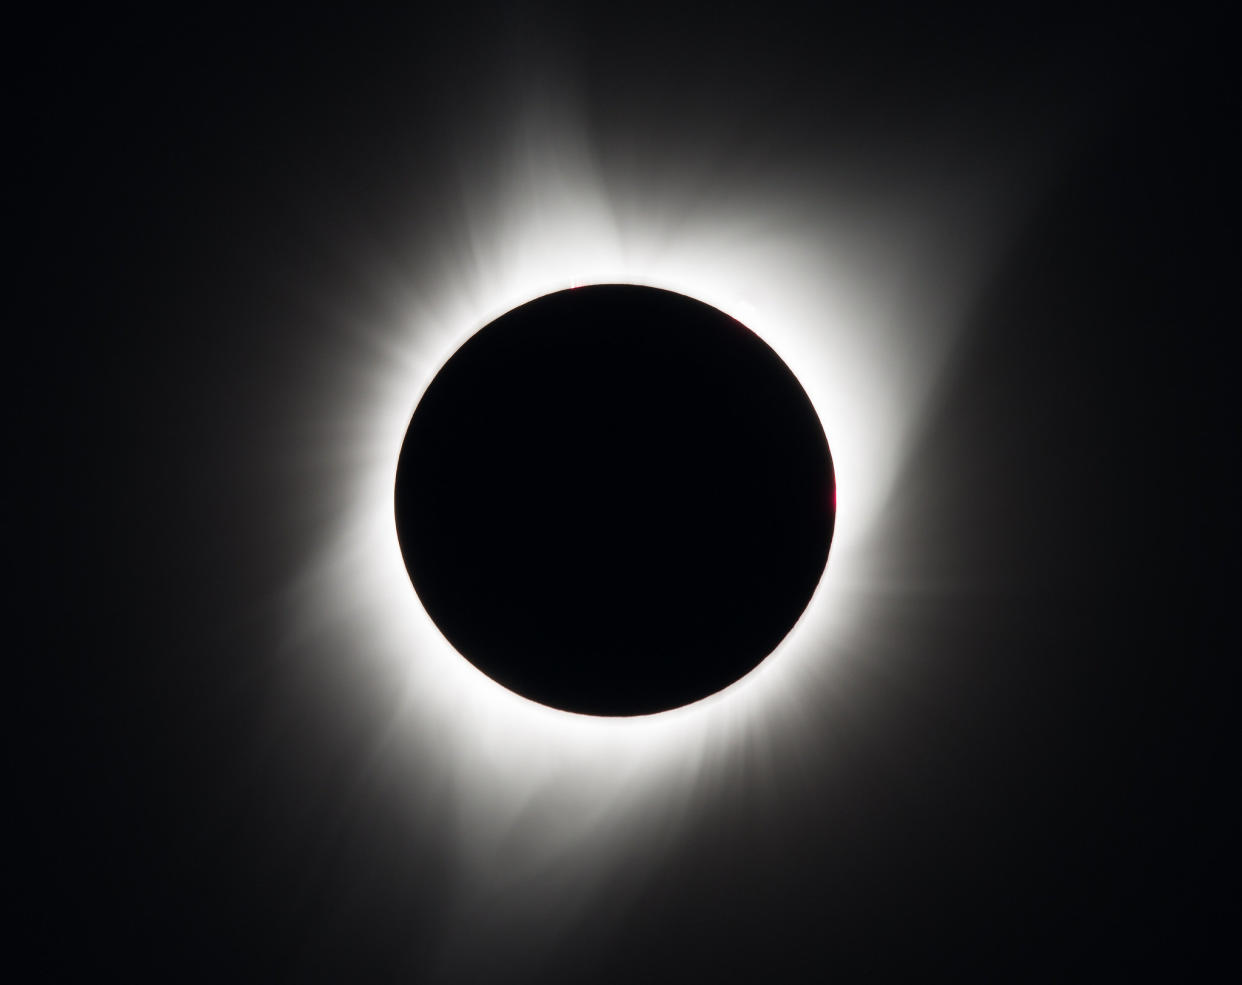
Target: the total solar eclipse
(615, 500)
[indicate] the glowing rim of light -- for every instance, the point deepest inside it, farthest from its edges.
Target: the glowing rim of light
(512, 705)
(543, 223)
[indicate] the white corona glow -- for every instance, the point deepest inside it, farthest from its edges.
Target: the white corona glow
(860, 294)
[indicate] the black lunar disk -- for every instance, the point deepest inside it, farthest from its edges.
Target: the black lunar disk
(615, 500)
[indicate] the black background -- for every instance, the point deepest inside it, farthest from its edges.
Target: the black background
(1037, 768)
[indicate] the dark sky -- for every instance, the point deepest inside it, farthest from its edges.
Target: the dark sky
(1025, 777)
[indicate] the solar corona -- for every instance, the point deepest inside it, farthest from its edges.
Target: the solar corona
(603, 483)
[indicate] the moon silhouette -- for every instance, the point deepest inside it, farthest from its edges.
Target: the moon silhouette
(615, 500)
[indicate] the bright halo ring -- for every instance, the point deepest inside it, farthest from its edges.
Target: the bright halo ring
(540, 223)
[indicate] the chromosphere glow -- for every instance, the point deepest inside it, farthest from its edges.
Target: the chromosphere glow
(860, 286)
